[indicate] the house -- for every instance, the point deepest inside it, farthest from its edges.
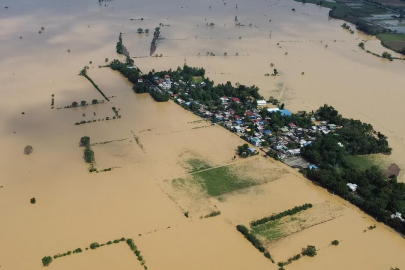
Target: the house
(332, 126)
(284, 129)
(267, 132)
(285, 113)
(203, 84)
(292, 125)
(250, 114)
(256, 141)
(294, 152)
(272, 110)
(261, 103)
(398, 215)
(140, 80)
(237, 100)
(238, 129)
(180, 101)
(313, 167)
(352, 187)
(224, 99)
(252, 150)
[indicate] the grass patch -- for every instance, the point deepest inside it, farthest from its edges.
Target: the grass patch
(270, 230)
(365, 162)
(197, 79)
(198, 164)
(222, 180)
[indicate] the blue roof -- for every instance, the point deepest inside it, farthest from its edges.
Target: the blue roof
(313, 167)
(238, 122)
(188, 103)
(219, 117)
(285, 112)
(267, 132)
(156, 78)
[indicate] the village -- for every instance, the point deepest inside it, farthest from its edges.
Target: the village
(252, 121)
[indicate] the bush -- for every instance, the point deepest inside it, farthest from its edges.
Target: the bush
(28, 149)
(94, 245)
(109, 243)
(46, 260)
(33, 200)
(83, 103)
(85, 141)
(88, 155)
(77, 250)
(335, 242)
(309, 251)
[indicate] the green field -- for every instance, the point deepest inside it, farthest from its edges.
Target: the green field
(222, 180)
(197, 165)
(197, 79)
(362, 163)
(270, 230)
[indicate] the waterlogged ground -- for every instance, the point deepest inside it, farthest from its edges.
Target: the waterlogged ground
(165, 161)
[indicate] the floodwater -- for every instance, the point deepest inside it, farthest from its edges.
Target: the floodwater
(75, 208)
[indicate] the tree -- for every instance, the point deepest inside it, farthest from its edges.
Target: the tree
(309, 251)
(94, 101)
(83, 103)
(74, 104)
(28, 149)
(85, 141)
(88, 155)
(335, 242)
(46, 260)
(106, 60)
(140, 30)
(94, 245)
(275, 72)
(33, 200)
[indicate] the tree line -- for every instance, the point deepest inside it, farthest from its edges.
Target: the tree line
(288, 212)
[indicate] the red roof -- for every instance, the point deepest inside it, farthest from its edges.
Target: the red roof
(175, 95)
(250, 113)
(224, 97)
(231, 111)
(236, 116)
(167, 76)
(236, 99)
(292, 125)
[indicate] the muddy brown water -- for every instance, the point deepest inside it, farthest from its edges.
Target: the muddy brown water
(75, 208)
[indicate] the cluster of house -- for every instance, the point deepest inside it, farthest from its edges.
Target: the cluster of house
(259, 136)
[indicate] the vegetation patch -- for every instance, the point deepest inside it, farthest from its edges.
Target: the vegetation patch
(197, 165)
(83, 72)
(288, 212)
(88, 153)
(255, 242)
(309, 251)
(289, 261)
(222, 180)
(46, 261)
(213, 214)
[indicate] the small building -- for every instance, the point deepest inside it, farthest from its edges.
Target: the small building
(313, 167)
(332, 126)
(284, 129)
(272, 110)
(224, 99)
(267, 132)
(261, 103)
(140, 80)
(352, 187)
(398, 215)
(237, 100)
(285, 113)
(256, 141)
(250, 114)
(252, 150)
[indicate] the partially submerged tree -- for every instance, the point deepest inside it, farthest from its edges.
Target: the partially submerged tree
(28, 149)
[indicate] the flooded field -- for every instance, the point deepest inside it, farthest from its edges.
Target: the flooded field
(155, 146)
